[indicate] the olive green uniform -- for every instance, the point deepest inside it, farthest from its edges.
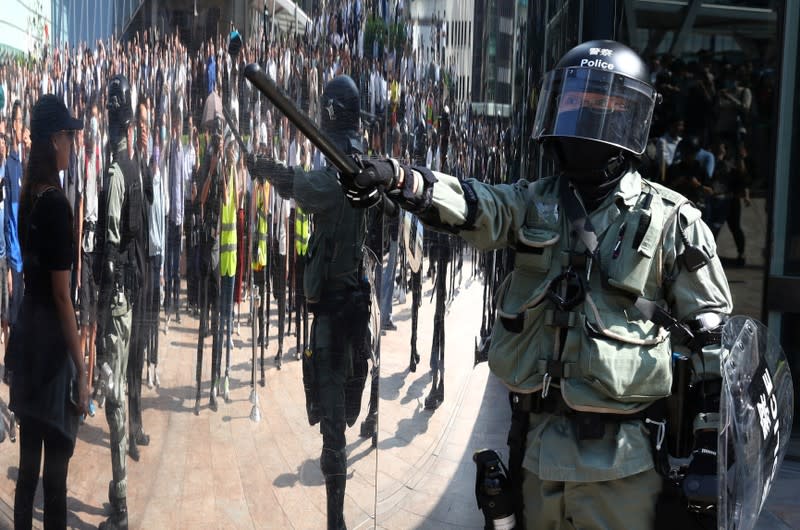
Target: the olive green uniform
(602, 355)
(116, 333)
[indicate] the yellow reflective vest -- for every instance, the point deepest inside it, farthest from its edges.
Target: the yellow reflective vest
(260, 251)
(301, 231)
(227, 242)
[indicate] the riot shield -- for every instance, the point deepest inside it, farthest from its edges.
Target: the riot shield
(756, 409)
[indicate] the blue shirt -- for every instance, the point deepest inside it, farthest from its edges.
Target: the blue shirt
(2, 212)
(12, 183)
(706, 160)
(212, 74)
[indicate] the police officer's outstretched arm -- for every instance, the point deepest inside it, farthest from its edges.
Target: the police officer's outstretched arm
(314, 191)
(487, 216)
(266, 168)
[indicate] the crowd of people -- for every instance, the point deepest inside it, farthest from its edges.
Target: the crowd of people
(713, 115)
(702, 135)
(177, 141)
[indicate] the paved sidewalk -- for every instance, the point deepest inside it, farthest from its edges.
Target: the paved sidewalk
(220, 470)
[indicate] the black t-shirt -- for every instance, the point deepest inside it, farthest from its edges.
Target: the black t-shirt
(47, 245)
(47, 241)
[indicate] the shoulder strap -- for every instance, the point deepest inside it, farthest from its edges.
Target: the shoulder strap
(580, 223)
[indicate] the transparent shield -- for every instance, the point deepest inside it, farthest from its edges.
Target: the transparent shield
(756, 412)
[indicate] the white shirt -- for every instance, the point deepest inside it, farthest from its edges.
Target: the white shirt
(279, 209)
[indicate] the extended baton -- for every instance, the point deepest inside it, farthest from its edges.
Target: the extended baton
(338, 158)
(267, 86)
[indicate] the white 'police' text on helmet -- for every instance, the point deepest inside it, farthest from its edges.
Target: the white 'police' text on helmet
(598, 91)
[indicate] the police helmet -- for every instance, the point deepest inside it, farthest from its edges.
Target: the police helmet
(341, 113)
(599, 91)
(120, 110)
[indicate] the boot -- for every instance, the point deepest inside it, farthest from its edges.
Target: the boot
(118, 519)
(141, 438)
(334, 487)
(368, 426)
(436, 396)
(412, 366)
(279, 358)
(133, 450)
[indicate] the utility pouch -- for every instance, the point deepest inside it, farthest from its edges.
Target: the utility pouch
(310, 387)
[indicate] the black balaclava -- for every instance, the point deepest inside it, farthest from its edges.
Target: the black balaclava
(593, 168)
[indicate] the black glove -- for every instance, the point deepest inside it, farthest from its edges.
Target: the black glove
(366, 189)
(280, 176)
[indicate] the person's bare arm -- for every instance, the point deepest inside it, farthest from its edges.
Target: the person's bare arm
(66, 316)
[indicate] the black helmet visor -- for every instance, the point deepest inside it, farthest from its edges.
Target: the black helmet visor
(588, 103)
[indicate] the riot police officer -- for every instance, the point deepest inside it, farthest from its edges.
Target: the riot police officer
(612, 273)
(122, 260)
(334, 366)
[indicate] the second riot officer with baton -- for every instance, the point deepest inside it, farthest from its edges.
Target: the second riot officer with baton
(335, 366)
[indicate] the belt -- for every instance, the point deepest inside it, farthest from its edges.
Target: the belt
(536, 404)
(331, 302)
(588, 425)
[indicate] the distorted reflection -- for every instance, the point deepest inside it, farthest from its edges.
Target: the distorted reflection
(267, 346)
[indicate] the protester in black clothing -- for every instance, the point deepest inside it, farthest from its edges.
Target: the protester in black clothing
(730, 185)
(687, 176)
(44, 348)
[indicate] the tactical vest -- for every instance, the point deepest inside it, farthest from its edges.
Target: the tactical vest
(227, 241)
(130, 257)
(335, 251)
(260, 239)
(301, 232)
(614, 359)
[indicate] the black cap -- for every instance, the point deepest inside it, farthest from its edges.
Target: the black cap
(50, 115)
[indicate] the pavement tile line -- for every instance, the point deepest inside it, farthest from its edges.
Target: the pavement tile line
(782, 509)
(391, 500)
